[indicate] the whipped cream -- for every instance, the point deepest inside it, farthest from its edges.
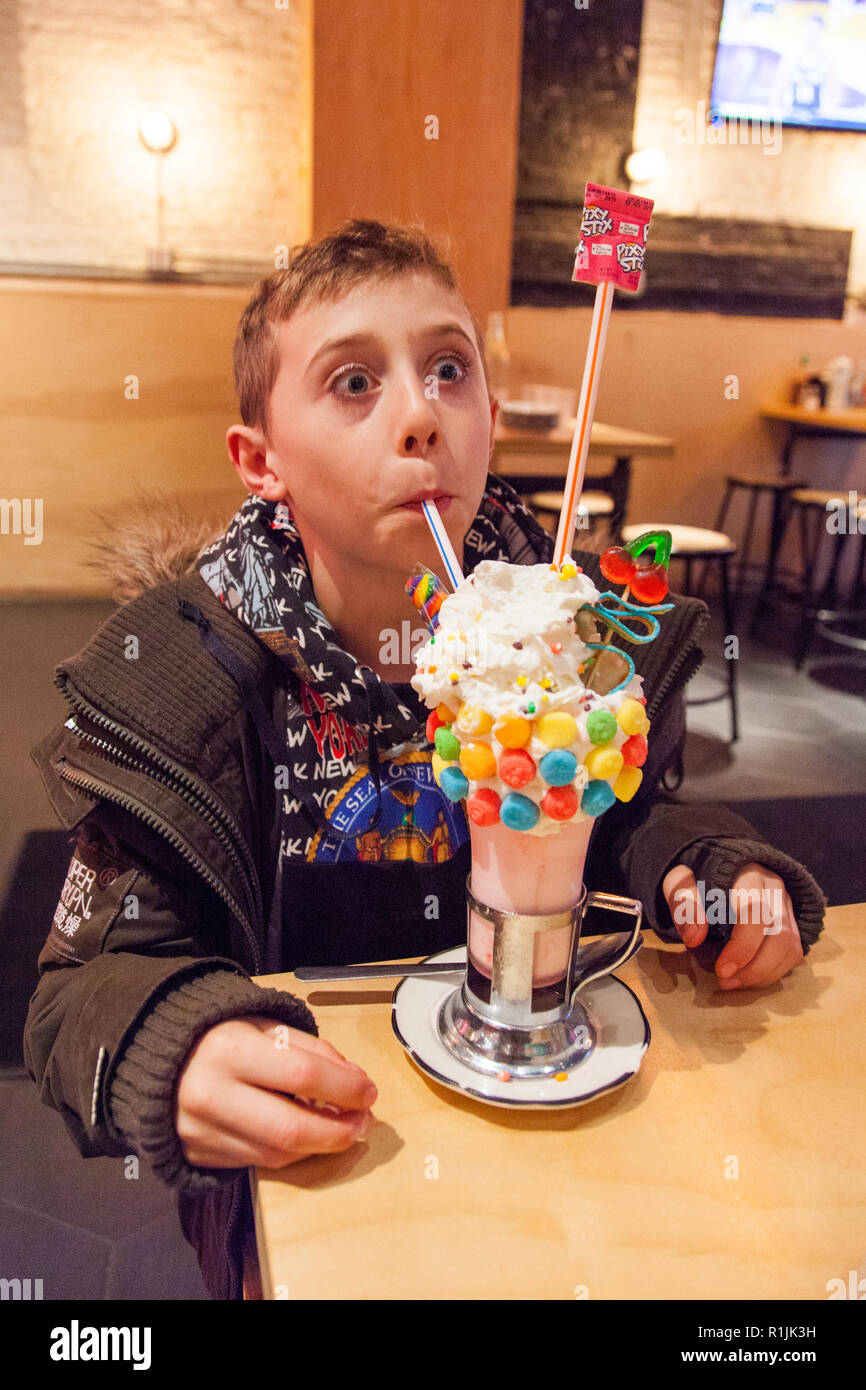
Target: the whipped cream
(508, 644)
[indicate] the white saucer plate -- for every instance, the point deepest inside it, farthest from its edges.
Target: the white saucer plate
(621, 1026)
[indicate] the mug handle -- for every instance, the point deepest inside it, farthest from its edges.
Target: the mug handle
(604, 956)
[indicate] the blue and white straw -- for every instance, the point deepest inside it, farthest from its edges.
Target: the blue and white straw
(443, 545)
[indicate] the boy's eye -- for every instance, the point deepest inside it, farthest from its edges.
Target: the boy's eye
(355, 374)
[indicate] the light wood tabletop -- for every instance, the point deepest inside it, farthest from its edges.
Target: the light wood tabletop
(603, 439)
(731, 1166)
(850, 420)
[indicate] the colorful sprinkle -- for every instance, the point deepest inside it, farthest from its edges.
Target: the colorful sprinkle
(453, 783)
(478, 761)
(558, 767)
(560, 803)
(601, 726)
(634, 750)
(561, 1076)
(557, 730)
(512, 731)
(483, 806)
(631, 717)
(472, 719)
(597, 798)
(604, 763)
(447, 743)
(518, 812)
(516, 767)
(627, 783)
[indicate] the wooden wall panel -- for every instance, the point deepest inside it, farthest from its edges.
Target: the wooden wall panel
(380, 69)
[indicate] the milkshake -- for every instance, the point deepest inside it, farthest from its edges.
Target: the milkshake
(534, 753)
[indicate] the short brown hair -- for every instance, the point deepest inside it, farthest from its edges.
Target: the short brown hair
(318, 272)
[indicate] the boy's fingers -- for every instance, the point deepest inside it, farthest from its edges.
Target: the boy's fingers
(680, 892)
(296, 1067)
(776, 954)
(259, 1127)
(285, 1038)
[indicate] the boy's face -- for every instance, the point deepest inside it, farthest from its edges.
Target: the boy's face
(359, 429)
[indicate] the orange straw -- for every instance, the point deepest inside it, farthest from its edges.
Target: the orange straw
(583, 423)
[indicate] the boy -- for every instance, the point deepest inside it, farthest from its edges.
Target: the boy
(252, 790)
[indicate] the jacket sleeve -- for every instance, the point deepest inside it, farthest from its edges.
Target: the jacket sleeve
(128, 982)
(637, 842)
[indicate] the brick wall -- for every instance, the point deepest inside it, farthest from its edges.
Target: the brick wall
(806, 176)
(78, 185)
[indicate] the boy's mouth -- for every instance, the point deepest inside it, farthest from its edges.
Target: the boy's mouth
(442, 504)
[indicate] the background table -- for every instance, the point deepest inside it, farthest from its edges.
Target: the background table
(534, 460)
(801, 424)
(628, 1196)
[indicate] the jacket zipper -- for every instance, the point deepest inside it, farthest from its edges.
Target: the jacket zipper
(225, 829)
(686, 653)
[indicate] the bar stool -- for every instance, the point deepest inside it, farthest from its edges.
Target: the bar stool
(592, 507)
(780, 490)
(690, 543)
(818, 609)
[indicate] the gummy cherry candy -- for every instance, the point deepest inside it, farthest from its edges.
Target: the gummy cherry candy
(650, 583)
(617, 565)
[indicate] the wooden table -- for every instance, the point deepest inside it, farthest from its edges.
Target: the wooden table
(532, 460)
(805, 423)
(630, 1196)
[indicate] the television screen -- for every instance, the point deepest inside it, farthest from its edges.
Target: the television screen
(798, 62)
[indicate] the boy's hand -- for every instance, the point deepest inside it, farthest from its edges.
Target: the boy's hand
(764, 943)
(232, 1110)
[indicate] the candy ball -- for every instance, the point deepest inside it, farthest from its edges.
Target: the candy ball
(478, 761)
(627, 783)
(433, 723)
(472, 719)
(650, 583)
(512, 731)
(631, 717)
(634, 751)
(438, 763)
(483, 806)
(516, 767)
(453, 783)
(445, 713)
(557, 730)
(597, 798)
(558, 767)
(604, 762)
(518, 812)
(447, 744)
(617, 565)
(601, 725)
(560, 803)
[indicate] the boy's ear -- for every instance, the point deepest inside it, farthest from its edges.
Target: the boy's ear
(248, 451)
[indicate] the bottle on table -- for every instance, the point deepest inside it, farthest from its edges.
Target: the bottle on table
(498, 355)
(799, 381)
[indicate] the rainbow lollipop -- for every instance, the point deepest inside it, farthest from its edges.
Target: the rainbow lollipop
(428, 593)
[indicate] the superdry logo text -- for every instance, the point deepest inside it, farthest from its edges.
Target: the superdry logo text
(74, 1343)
